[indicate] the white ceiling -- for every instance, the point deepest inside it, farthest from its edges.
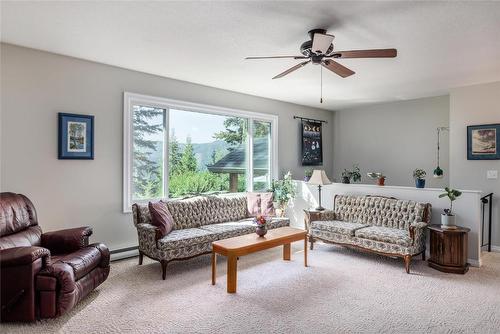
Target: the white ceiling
(440, 44)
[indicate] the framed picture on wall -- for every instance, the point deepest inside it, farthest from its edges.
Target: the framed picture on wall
(75, 136)
(312, 145)
(483, 142)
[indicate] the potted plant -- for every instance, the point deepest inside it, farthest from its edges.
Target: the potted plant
(419, 176)
(377, 176)
(448, 218)
(307, 174)
(354, 175)
(283, 191)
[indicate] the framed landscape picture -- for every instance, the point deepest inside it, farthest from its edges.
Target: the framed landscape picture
(483, 142)
(76, 136)
(312, 145)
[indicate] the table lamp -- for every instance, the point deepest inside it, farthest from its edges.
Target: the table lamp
(319, 178)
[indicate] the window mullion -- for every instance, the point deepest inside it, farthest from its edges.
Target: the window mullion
(166, 145)
(250, 155)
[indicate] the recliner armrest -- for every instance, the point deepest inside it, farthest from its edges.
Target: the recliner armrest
(103, 249)
(18, 256)
(66, 241)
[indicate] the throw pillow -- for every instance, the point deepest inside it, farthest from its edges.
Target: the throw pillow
(253, 204)
(266, 204)
(161, 217)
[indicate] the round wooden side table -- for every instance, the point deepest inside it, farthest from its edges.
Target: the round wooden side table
(448, 249)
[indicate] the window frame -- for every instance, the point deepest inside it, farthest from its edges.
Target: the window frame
(131, 99)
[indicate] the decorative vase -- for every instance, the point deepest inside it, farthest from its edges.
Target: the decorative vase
(346, 180)
(448, 221)
(261, 230)
(381, 181)
(307, 178)
(420, 183)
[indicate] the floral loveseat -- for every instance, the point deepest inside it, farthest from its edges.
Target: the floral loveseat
(197, 223)
(386, 226)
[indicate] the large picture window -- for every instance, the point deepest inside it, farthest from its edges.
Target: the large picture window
(175, 149)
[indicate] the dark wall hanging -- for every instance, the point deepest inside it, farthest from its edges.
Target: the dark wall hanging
(312, 144)
(483, 142)
(76, 136)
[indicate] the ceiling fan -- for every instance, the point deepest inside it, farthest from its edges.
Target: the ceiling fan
(320, 51)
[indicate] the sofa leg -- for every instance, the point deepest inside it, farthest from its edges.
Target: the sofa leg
(407, 259)
(163, 268)
(423, 255)
(311, 242)
(141, 256)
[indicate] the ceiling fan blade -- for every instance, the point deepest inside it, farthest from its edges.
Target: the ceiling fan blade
(321, 43)
(291, 69)
(375, 53)
(337, 68)
(273, 57)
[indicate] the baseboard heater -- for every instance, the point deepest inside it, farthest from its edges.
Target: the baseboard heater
(124, 253)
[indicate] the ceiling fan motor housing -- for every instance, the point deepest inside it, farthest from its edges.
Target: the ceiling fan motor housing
(306, 47)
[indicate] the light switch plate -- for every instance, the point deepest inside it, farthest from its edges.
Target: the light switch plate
(492, 174)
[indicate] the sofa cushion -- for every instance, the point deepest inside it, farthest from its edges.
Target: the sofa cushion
(266, 204)
(230, 229)
(253, 204)
(385, 234)
(336, 226)
(161, 217)
(276, 222)
(185, 237)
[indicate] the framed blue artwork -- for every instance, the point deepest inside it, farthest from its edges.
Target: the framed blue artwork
(76, 136)
(483, 142)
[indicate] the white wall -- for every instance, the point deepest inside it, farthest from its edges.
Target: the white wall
(393, 138)
(474, 105)
(36, 85)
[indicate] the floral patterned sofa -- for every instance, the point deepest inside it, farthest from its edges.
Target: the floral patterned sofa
(386, 226)
(197, 223)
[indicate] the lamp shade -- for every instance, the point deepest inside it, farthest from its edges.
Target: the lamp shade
(319, 177)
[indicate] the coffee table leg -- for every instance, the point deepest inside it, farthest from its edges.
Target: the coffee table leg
(214, 266)
(305, 251)
(286, 252)
(232, 263)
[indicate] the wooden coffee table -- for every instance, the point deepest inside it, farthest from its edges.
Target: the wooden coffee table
(235, 247)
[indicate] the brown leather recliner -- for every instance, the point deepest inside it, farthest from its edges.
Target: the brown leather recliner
(43, 275)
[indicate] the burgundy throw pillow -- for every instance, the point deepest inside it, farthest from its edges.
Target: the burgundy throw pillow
(253, 204)
(161, 217)
(266, 204)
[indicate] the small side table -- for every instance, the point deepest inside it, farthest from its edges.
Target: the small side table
(448, 249)
(313, 215)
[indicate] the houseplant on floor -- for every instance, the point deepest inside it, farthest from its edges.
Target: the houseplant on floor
(419, 176)
(283, 192)
(351, 175)
(448, 218)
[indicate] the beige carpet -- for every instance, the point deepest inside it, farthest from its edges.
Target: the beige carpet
(342, 291)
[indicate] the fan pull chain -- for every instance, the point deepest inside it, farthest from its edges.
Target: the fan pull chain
(321, 83)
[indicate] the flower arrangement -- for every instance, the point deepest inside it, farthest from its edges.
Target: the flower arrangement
(283, 190)
(261, 222)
